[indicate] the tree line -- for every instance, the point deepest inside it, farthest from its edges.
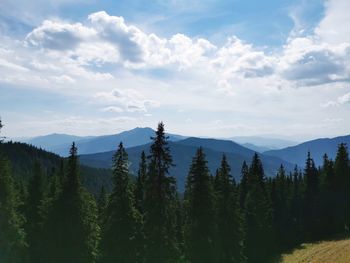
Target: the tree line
(55, 219)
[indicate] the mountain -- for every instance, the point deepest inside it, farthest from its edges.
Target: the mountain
(60, 143)
(183, 151)
(264, 142)
(297, 154)
(52, 141)
(259, 149)
(23, 156)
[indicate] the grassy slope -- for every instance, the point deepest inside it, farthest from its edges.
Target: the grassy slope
(337, 251)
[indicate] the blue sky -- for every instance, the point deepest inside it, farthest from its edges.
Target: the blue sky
(206, 68)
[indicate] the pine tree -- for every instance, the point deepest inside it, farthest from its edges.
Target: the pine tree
(229, 221)
(342, 186)
(36, 214)
(74, 231)
(243, 187)
(120, 231)
(140, 183)
(281, 210)
(296, 206)
(330, 223)
(258, 215)
(312, 222)
(160, 200)
(200, 214)
(12, 236)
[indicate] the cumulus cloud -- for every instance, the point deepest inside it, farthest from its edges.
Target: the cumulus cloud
(95, 56)
(127, 100)
(59, 35)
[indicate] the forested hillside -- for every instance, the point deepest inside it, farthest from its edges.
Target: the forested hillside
(23, 158)
(51, 216)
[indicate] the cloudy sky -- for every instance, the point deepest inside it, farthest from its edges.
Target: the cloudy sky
(205, 67)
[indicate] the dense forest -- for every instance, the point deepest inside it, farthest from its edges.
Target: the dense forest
(53, 215)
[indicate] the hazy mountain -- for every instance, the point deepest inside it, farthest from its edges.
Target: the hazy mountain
(183, 152)
(264, 142)
(297, 154)
(259, 149)
(60, 143)
(52, 141)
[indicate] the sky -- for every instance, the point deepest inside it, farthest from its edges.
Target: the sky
(223, 68)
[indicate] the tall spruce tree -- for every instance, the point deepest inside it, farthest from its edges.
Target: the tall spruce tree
(296, 206)
(120, 231)
(243, 186)
(342, 186)
(140, 183)
(330, 223)
(200, 212)
(230, 232)
(312, 221)
(258, 215)
(74, 231)
(160, 203)
(36, 214)
(281, 210)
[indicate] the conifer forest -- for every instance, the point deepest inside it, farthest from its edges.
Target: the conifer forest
(48, 215)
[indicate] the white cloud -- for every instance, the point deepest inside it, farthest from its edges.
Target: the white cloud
(119, 68)
(334, 28)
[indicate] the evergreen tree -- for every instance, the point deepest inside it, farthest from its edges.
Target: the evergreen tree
(258, 215)
(36, 214)
(296, 206)
(243, 187)
(74, 231)
(312, 222)
(281, 210)
(342, 186)
(160, 203)
(200, 214)
(140, 183)
(330, 223)
(120, 231)
(12, 236)
(229, 221)
(102, 205)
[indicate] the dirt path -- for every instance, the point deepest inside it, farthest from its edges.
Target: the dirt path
(323, 252)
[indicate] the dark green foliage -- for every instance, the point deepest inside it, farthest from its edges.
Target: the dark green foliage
(36, 214)
(102, 204)
(281, 204)
(23, 157)
(230, 233)
(46, 214)
(160, 203)
(73, 220)
(342, 186)
(200, 214)
(140, 183)
(120, 238)
(258, 215)
(243, 187)
(312, 220)
(12, 236)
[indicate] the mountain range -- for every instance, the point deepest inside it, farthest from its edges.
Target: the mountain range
(60, 143)
(97, 151)
(297, 154)
(183, 151)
